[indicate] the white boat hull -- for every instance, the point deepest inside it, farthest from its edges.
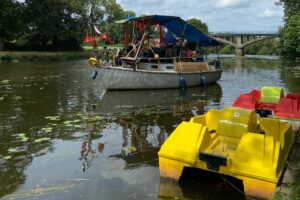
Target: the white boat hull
(119, 78)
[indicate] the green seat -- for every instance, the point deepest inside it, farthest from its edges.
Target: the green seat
(271, 94)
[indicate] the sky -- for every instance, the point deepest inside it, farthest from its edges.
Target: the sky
(219, 15)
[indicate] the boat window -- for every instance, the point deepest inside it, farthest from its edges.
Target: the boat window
(154, 66)
(169, 67)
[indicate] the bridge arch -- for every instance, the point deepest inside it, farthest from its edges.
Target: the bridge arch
(241, 40)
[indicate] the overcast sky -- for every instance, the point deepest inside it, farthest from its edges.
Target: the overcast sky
(219, 15)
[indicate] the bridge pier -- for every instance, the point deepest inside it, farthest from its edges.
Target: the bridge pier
(239, 52)
(239, 49)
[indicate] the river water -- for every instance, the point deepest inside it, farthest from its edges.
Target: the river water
(63, 137)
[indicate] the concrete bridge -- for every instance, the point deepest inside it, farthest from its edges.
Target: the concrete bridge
(241, 40)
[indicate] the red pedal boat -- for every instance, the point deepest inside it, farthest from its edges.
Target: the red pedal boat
(271, 100)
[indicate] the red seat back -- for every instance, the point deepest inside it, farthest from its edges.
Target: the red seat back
(246, 101)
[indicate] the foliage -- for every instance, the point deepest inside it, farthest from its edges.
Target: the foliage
(291, 7)
(10, 16)
(290, 45)
(45, 25)
(198, 24)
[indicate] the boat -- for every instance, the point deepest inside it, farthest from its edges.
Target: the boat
(159, 55)
(272, 102)
(232, 142)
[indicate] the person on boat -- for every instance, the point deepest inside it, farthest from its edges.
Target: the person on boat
(106, 54)
(199, 53)
(95, 50)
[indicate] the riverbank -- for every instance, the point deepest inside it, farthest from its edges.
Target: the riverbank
(18, 56)
(31, 56)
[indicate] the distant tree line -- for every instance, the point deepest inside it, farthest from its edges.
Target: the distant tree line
(50, 25)
(290, 44)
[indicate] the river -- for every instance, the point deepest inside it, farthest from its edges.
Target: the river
(63, 137)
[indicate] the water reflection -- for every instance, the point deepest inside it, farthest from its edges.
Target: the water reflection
(146, 118)
(56, 123)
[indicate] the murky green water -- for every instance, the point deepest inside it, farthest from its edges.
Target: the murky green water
(63, 137)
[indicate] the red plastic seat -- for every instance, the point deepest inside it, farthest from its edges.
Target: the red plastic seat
(256, 94)
(246, 101)
(288, 107)
(293, 96)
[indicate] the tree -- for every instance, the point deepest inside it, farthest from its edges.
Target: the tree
(10, 16)
(290, 46)
(291, 7)
(198, 24)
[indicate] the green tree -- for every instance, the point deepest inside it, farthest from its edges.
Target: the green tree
(291, 7)
(53, 25)
(290, 46)
(10, 24)
(198, 24)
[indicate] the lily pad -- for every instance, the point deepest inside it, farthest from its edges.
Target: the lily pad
(129, 149)
(7, 157)
(5, 81)
(22, 137)
(12, 150)
(1, 98)
(42, 139)
(47, 130)
(53, 118)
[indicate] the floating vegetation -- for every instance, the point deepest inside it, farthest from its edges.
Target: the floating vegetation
(129, 149)
(53, 118)
(7, 157)
(12, 150)
(22, 137)
(1, 98)
(47, 130)
(17, 97)
(41, 88)
(95, 118)
(5, 81)
(42, 139)
(39, 191)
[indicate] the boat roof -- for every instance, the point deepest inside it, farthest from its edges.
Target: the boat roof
(178, 28)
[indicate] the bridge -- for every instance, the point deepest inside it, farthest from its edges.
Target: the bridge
(241, 40)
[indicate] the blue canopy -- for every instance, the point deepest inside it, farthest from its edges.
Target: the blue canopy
(179, 28)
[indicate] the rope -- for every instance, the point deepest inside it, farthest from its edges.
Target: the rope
(232, 185)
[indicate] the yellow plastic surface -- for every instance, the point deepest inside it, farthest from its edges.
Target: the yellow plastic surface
(256, 150)
(271, 94)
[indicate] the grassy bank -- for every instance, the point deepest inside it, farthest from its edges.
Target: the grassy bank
(13, 56)
(18, 56)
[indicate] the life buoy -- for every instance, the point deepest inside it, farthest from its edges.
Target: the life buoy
(93, 61)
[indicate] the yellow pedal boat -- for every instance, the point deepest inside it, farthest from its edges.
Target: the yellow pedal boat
(232, 142)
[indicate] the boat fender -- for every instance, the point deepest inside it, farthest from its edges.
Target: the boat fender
(182, 83)
(203, 81)
(93, 61)
(94, 74)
